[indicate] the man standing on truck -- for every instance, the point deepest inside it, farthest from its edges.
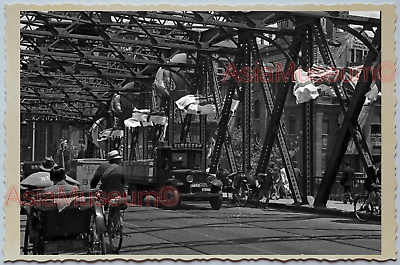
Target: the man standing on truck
(111, 176)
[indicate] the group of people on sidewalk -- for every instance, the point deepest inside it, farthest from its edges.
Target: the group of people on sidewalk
(276, 180)
(273, 183)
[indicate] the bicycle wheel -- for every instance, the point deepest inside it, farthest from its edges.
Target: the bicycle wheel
(26, 236)
(274, 194)
(115, 233)
(362, 212)
(96, 243)
(243, 194)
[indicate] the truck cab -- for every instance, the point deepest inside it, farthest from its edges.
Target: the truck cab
(178, 166)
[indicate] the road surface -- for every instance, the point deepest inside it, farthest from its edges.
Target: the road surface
(196, 229)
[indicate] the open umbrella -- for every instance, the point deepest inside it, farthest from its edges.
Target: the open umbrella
(42, 180)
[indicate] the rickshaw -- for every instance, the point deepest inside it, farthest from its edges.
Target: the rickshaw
(64, 223)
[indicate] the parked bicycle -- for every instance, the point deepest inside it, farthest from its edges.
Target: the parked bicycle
(365, 212)
(274, 192)
(114, 229)
(240, 191)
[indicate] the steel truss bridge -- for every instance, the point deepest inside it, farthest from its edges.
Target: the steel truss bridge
(73, 62)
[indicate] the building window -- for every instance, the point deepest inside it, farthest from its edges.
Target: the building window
(359, 55)
(324, 158)
(375, 129)
(339, 121)
(292, 124)
(65, 132)
(325, 124)
(256, 109)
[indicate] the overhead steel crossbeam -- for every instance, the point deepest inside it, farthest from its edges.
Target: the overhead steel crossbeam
(70, 54)
(338, 16)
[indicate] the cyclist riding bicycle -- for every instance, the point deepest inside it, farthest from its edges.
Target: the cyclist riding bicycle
(372, 183)
(112, 180)
(112, 194)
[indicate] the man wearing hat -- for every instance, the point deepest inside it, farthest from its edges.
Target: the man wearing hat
(57, 176)
(48, 164)
(111, 176)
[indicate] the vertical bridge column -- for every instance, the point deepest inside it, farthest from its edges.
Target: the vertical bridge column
(244, 38)
(203, 118)
(308, 120)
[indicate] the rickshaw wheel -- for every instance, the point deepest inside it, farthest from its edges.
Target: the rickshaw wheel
(37, 248)
(96, 243)
(26, 237)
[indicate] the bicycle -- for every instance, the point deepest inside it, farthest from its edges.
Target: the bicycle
(114, 227)
(365, 212)
(274, 192)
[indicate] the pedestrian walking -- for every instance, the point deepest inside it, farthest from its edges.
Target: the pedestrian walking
(264, 192)
(348, 181)
(299, 176)
(284, 188)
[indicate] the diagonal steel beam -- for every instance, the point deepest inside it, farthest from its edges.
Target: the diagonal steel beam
(274, 121)
(344, 133)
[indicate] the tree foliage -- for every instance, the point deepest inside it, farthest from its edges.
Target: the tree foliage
(256, 147)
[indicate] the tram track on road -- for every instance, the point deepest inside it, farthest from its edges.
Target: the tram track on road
(229, 220)
(332, 239)
(244, 218)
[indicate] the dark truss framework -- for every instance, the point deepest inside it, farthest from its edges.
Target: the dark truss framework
(72, 62)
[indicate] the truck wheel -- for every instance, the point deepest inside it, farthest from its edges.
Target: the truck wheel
(176, 205)
(173, 205)
(170, 202)
(216, 203)
(133, 192)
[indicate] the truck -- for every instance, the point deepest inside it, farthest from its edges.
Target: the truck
(174, 171)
